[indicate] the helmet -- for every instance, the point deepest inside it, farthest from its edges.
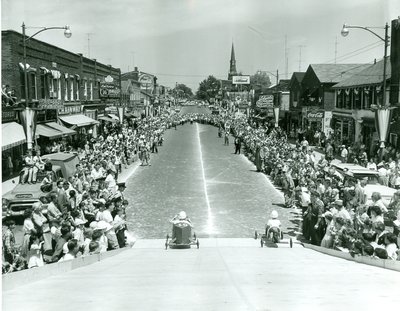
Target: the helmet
(274, 214)
(182, 215)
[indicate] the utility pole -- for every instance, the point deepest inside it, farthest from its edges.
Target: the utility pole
(286, 59)
(88, 42)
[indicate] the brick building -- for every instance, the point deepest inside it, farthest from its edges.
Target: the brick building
(65, 86)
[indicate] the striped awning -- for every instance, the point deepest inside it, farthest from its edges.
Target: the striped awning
(49, 132)
(78, 120)
(12, 135)
(65, 130)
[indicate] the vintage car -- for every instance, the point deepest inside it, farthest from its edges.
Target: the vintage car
(23, 196)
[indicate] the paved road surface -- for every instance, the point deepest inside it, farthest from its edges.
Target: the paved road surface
(220, 191)
(224, 274)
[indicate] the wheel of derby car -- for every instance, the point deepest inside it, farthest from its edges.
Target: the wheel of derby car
(291, 243)
(255, 235)
(166, 245)
(198, 244)
(262, 243)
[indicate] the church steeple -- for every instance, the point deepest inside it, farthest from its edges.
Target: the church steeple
(232, 67)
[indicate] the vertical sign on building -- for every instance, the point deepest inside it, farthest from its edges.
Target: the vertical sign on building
(395, 62)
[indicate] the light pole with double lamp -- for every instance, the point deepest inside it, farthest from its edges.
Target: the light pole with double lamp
(27, 114)
(383, 111)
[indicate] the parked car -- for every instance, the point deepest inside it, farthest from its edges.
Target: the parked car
(371, 177)
(23, 196)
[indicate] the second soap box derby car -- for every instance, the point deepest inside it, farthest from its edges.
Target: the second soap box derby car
(182, 236)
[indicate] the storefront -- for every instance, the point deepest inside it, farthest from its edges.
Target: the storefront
(13, 148)
(343, 130)
(83, 125)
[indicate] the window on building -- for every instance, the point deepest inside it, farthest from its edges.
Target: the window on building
(66, 89)
(71, 88)
(59, 89)
(347, 99)
(339, 99)
(44, 85)
(91, 90)
(85, 90)
(32, 85)
(77, 90)
(357, 99)
(367, 99)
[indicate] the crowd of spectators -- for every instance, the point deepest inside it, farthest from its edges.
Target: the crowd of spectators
(85, 213)
(335, 210)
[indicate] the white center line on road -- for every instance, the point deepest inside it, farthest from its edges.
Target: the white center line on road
(210, 223)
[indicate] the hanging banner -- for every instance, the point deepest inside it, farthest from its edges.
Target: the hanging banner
(121, 112)
(382, 119)
(28, 119)
(276, 113)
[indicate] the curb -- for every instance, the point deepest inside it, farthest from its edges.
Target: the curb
(376, 262)
(16, 279)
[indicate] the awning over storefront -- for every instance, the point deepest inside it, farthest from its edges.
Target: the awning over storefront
(105, 118)
(49, 132)
(12, 135)
(65, 130)
(78, 120)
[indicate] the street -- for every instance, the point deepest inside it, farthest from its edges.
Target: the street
(221, 192)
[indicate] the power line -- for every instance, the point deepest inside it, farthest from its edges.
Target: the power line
(375, 44)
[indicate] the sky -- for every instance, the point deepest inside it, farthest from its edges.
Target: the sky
(184, 41)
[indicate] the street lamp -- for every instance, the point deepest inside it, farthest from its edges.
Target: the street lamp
(382, 113)
(28, 115)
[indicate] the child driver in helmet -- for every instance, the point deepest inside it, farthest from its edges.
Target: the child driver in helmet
(181, 218)
(273, 228)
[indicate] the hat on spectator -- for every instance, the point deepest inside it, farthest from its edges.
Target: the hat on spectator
(339, 202)
(102, 225)
(79, 221)
(94, 225)
(103, 201)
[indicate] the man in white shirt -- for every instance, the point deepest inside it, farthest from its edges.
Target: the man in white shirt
(28, 169)
(344, 153)
(73, 250)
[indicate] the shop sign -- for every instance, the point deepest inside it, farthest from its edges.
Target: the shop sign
(146, 82)
(241, 80)
(265, 101)
(50, 103)
(70, 110)
(315, 115)
(8, 115)
(109, 90)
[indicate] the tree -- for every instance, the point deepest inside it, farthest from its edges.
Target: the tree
(208, 89)
(183, 91)
(260, 81)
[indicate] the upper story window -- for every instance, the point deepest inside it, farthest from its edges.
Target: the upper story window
(71, 88)
(66, 83)
(85, 90)
(91, 90)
